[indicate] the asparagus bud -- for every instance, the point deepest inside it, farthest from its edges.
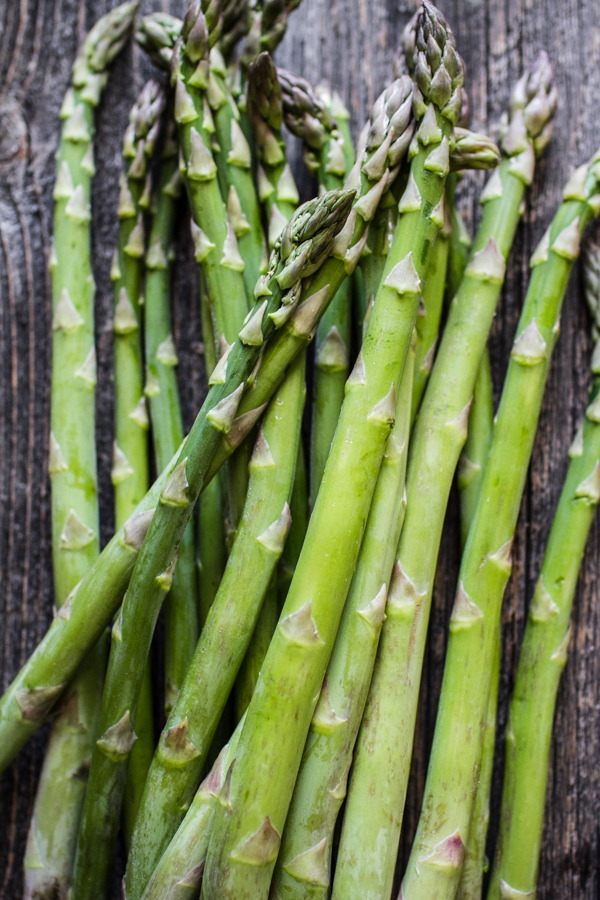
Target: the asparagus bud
(438, 69)
(532, 106)
(105, 41)
(473, 151)
(305, 113)
(157, 34)
(236, 23)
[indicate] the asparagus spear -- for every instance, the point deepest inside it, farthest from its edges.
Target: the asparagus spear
(157, 34)
(269, 19)
(475, 864)
(479, 437)
(215, 240)
(308, 117)
(430, 314)
(181, 608)
(176, 770)
(251, 665)
(234, 172)
(130, 456)
(276, 186)
(130, 452)
(321, 784)
(236, 24)
(246, 837)
(293, 545)
(53, 830)
(460, 242)
(544, 650)
(486, 564)
(470, 475)
(212, 553)
(373, 815)
(181, 865)
(471, 151)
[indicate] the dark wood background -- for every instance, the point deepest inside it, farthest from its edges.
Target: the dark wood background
(350, 43)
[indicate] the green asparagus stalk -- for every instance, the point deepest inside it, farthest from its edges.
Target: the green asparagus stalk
(215, 240)
(236, 24)
(544, 650)
(234, 172)
(430, 314)
(470, 475)
(379, 241)
(181, 607)
(157, 34)
(471, 151)
(174, 775)
(304, 864)
(373, 815)
(212, 553)
(479, 438)
(72, 465)
(251, 665)
(309, 118)
(218, 220)
(279, 196)
(130, 454)
(130, 450)
(486, 563)
(180, 869)
(298, 528)
(276, 187)
(269, 19)
(341, 116)
(212, 548)
(460, 242)
(246, 836)
(476, 863)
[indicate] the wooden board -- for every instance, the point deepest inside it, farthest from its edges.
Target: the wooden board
(351, 43)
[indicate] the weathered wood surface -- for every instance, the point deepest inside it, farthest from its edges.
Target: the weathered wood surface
(349, 42)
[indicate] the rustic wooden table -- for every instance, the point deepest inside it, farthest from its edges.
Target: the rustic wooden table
(350, 43)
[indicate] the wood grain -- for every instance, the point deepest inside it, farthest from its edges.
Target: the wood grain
(350, 43)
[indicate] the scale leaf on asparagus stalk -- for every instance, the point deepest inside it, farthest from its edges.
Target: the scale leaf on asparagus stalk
(436, 861)
(545, 645)
(378, 782)
(53, 830)
(246, 835)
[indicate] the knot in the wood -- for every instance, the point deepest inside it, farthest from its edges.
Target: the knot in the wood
(13, 131)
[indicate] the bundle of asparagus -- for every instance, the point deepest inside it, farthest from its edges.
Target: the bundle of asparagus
(293, 656)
